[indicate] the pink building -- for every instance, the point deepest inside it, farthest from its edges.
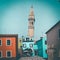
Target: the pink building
(53, 42)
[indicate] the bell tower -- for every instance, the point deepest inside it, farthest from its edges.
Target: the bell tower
(31, 21)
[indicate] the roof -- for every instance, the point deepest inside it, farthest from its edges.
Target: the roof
(8, 35)
(53, 27)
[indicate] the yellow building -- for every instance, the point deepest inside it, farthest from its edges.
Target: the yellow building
(19, 43)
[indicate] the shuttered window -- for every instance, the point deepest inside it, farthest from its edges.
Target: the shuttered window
(0, 42)
(9, 54)
(0, 54)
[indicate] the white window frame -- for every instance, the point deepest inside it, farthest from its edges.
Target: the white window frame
(10, 42)
(1, 42)
(10, 55)
(1, 54)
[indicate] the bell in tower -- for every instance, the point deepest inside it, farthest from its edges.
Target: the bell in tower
(31, 21)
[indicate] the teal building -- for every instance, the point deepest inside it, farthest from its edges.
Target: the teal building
(28, 43)
(42, 47)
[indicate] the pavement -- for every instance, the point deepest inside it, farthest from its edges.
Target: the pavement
(32, 58)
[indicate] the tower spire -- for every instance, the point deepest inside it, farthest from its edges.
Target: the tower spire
(31, 11)
(31, 15)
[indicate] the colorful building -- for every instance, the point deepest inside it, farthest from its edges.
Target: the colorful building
(8, 46)
(20, 46)
(53, 42)
(19, 43)
(42, 47)
(27, 44)
(45, 55)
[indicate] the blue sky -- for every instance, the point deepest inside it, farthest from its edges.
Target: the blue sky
(14, 16)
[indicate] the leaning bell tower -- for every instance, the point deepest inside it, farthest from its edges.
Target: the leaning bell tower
(31, 20)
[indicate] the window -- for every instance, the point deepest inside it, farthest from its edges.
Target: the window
(0, 54)
(46, 51)
(8, 42)
(27, 39)
(59, 33)
(36, 52)
(32, 23)
(31, 40)
(23, 39)
(45, 42)
(0, 42)
(31, 45)
(20, 40)
(24, 45)
(8, 54)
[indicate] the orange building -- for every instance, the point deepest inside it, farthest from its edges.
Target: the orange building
(8, 46)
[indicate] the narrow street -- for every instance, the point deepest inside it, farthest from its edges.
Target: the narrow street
(31, 58)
